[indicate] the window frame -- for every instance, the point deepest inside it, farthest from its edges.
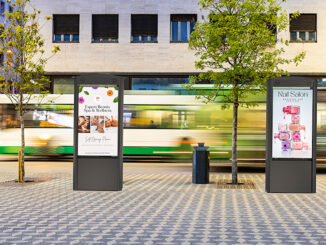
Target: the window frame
(2, 59)
(188, 35)
(141, 41)
(2, 10)
(306, 32)
(109, 41)
(63, 35)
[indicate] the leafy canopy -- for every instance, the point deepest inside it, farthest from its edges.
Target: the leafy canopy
(237, 47)
(22, 45)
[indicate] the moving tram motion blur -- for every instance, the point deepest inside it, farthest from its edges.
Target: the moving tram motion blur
(157, 127)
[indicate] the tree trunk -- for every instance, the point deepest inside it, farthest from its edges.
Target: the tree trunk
(234, 143)
(22, 128)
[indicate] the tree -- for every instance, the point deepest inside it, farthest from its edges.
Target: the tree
(22, 75)
(239, 51)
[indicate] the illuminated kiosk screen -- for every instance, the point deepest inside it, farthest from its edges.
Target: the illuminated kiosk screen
(98, 121)
(292, 122)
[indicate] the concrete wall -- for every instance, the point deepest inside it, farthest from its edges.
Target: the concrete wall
(158, 57)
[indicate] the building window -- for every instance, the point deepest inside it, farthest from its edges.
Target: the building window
(2, 59)
(63, 84)
(181, 26)
(303, 28)
(66, 28)
(11, 9)
(144, 28)
(273, 30)
(105, 28)
(2, 8)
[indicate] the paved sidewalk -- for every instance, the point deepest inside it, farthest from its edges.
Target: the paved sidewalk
(158, 205)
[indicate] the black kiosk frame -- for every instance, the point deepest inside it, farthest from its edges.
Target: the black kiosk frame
(291, 174)
(98, 172)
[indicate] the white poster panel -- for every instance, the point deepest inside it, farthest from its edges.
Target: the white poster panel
(292, 122)
(98, 121)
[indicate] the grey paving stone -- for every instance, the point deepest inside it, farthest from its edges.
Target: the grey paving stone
(158, 205)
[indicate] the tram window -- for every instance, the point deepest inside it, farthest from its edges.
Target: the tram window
(3, 116)
(162, 117)
(323, 121)
(43, 116)
(50, 116)
(9, 116)
(158, 83)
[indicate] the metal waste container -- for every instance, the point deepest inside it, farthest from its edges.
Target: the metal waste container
(200, 164)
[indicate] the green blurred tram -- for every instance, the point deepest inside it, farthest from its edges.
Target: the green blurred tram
(157, 127)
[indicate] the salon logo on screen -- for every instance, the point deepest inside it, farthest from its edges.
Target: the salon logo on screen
(292, 94)
(98, 98)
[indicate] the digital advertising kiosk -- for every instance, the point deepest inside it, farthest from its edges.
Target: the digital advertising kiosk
(98, 127)
(291, 135)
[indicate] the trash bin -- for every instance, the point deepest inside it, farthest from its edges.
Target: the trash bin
(200, 164)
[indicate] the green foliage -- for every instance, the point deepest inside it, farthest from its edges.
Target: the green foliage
(237, 49)
(22, 74)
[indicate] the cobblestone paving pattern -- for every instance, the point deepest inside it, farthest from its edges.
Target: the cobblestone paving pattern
(158, 205)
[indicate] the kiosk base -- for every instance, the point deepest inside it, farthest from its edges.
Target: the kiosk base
(291, 177)
(98, 175)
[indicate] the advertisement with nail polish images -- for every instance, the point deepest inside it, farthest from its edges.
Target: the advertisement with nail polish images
(292, 122)
(98, 121)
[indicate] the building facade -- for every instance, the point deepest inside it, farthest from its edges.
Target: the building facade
(147, 39)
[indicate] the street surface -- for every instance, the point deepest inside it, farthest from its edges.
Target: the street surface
(158, 205)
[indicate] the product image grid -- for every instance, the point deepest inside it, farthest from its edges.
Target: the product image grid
(290, 134)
